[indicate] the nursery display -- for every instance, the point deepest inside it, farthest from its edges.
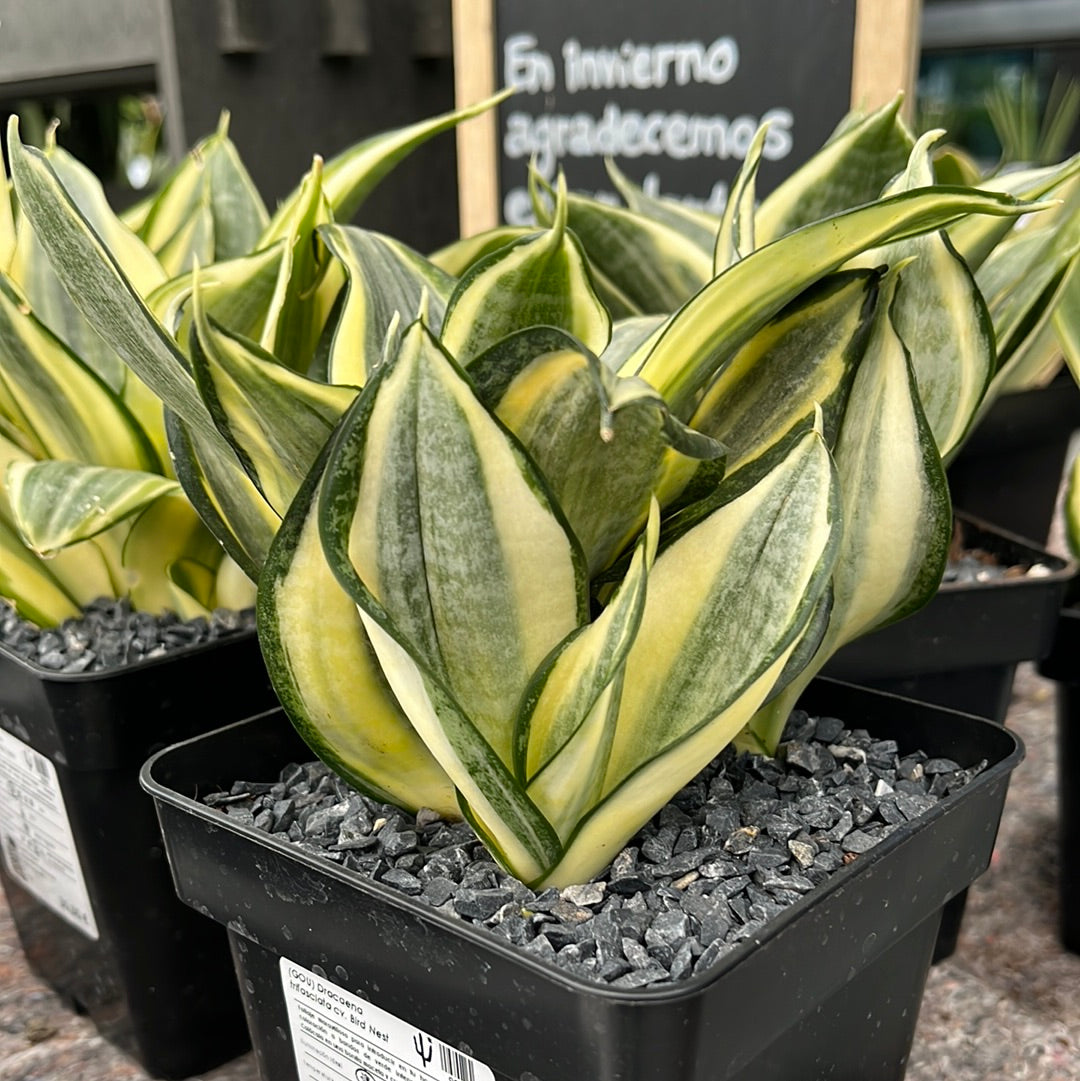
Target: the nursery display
(536, 535)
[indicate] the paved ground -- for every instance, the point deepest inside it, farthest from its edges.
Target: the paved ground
(1006, 1007)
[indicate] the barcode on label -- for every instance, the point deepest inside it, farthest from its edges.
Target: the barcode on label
(455, 1064)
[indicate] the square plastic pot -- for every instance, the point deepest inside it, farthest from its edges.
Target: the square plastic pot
(82, 858)
(830, 988)
(1063, 665)
(1009, 470)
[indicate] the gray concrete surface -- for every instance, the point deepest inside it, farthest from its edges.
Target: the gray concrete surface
(1005, 1007)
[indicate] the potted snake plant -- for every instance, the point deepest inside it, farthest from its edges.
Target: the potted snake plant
(516, 579)
(123, 608)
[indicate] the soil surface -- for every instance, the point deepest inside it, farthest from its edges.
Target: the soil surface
(1003, 1008)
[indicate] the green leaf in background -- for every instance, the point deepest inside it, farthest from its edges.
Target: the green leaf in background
(211, 175)
(7, 222)
(276, 420)
(542, 280)
(385, 276)
(49, 590)
(941, 316)
(142, 520)
(459, 255)
(629, 337)
(638, 263)
(1071, 508)
(1040, 356)
(1025, 133)
(308, 278)
(55, 504)
(1066, 321)
(1024, 282)
(27, 583)
(735, 235)
(165, 542)
(706, 332)
(60, 406)
(350, 177)
(977, 236)
(192, 243)
(955, 166)
(848, 171)
(237, 293)
(697, 226)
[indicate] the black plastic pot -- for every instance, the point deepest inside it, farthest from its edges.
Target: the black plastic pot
(961, 650)
(831, 988)
(83, 862)
(1063, 665)
(1010, 469)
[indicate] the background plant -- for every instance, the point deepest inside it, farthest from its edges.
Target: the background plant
(89, 506)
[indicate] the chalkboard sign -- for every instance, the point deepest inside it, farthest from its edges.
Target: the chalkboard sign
(672, 91)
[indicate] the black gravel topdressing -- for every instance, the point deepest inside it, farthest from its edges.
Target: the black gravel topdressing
(747, 837)
(110, 634)
(977, 565)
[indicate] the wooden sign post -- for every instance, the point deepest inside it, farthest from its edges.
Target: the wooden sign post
(673, 92)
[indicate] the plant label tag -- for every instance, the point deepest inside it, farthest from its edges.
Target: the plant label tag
(35, 834)
(336, 1034)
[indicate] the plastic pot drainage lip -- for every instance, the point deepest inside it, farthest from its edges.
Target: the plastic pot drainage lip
(857, 947)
